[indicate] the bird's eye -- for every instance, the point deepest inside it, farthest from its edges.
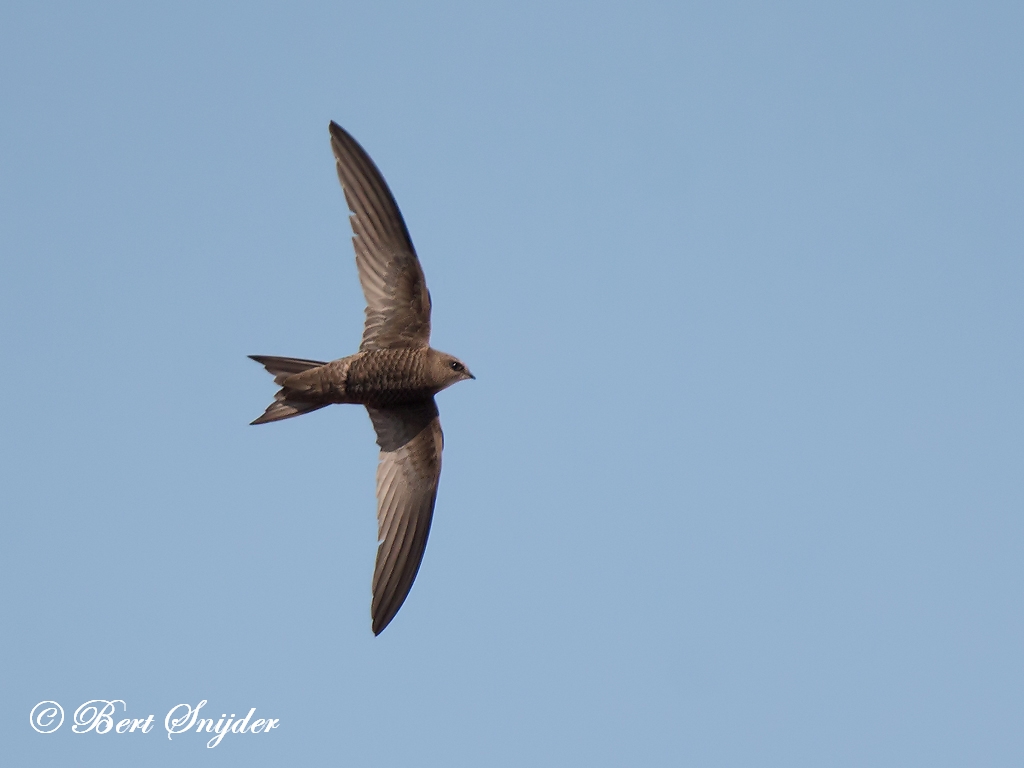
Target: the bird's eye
(456, 366)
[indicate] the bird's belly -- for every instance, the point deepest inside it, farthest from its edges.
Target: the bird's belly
(384, 394)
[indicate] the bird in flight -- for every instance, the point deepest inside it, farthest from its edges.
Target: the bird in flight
(395, 375)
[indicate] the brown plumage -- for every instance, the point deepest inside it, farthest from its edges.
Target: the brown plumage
(395, 374)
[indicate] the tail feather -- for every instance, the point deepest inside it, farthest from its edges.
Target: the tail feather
(287, 402)
(285, 409)
(283, 367)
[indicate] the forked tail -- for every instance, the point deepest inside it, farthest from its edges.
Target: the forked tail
(287, 402)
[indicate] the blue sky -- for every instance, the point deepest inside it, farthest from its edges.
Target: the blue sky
(739, 482)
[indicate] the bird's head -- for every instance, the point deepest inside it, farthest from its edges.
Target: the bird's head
(448, 369)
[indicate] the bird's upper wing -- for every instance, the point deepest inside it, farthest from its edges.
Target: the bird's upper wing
(397, 301)
(410, 443)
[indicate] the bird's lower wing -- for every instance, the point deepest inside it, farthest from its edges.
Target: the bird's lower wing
(410, 443)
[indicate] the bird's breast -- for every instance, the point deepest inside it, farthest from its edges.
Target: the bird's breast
(389, 377)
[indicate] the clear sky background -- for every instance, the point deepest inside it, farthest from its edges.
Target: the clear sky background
(739, 483)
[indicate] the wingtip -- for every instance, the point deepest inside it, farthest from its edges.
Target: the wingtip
(380, 623)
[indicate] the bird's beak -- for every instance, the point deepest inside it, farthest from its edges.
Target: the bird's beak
(471, 376)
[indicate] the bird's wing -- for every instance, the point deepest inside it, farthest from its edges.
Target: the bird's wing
(410, 443)
(397, 301)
